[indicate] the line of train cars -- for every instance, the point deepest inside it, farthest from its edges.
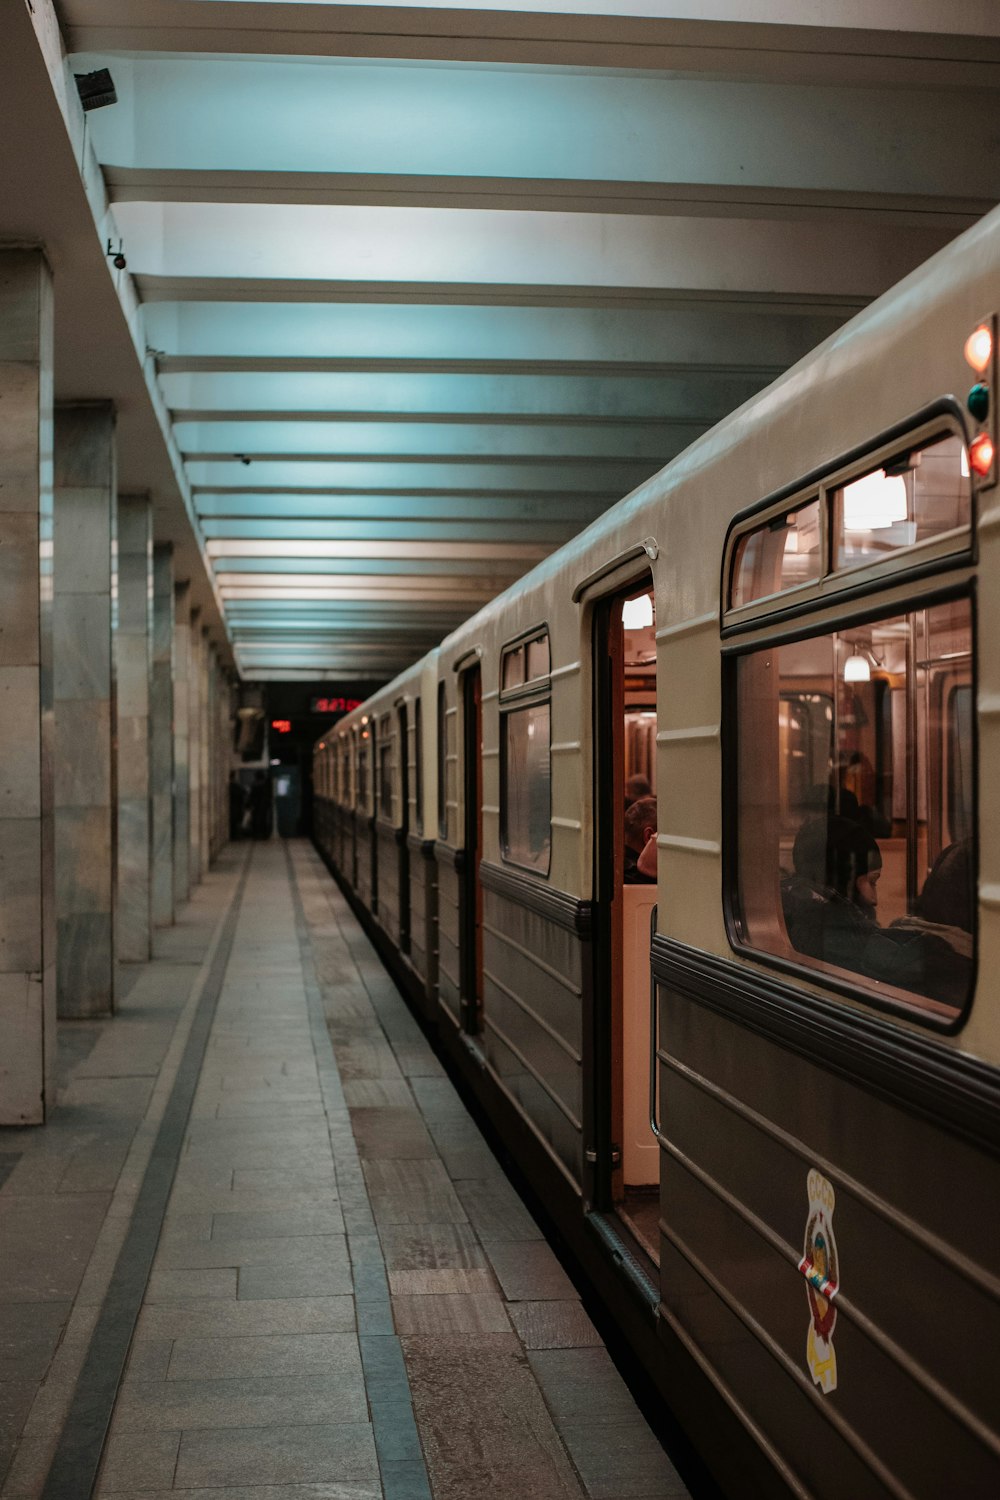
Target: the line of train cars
(762, 1095)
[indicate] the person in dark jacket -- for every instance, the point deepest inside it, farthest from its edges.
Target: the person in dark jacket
(640, 827)
(830, 907)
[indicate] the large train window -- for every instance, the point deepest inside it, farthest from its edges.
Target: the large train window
(854, 815)
(385, 767)
(905, 504)
(525, 774)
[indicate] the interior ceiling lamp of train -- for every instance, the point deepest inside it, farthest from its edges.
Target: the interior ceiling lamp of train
(854, 757)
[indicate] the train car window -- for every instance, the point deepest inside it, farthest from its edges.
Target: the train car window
(525, 758)
(418, 765)
(916, 497)
(364, 748)
(854, 805)
(782, 553)
(442, 764)
(385, 768)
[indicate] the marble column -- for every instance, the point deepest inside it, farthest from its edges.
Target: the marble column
(207, 740)
(134, 662)
(27, 882)
(83, 622)
(194, 749)
(182, 668)
(161, 714)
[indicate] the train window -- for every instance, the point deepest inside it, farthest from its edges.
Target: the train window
(385, 768)
(854, 806)
(525, 772)
(363, 751)
(782, 553)
(918, 496)
(442, 765)
(418, 765)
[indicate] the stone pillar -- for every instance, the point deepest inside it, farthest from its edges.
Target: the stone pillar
(162, 736)
(134, 660)
(207, 740)
(83, 623)
(194, 749)
(182, 668)
(27, 882)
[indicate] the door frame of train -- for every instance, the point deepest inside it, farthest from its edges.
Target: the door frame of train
(603, 1058)
(402, 833)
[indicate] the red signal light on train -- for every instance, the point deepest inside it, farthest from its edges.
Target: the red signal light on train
(281, 726)
(981, 454)
(979, 348)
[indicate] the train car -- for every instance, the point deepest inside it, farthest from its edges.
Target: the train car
(760, 1095)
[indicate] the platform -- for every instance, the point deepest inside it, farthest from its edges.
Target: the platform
(263, 1249)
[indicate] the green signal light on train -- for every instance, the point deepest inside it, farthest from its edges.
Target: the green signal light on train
(978, 401)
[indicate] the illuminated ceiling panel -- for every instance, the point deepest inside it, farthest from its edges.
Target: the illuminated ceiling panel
(423, 297)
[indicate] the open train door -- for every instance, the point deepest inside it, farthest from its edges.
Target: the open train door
(622, 1150)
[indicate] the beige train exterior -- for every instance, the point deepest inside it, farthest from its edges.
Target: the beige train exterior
(751, 1118)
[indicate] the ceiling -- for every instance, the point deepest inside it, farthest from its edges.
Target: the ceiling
(420, 292)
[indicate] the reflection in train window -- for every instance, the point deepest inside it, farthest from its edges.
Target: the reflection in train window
(923, 494)
(785, 551)
(525, 774)
(363, 770)
(855, 804)
(385, 769)
(526, 797)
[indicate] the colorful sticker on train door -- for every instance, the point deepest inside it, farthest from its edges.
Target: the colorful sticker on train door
(819, 1266)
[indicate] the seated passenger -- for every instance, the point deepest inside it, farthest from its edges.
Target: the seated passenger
(830, 904)
(948, 896)
(640, 829)
(636, 787)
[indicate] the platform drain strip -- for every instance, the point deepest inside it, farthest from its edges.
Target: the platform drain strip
(397, 1442)
(73, 1472)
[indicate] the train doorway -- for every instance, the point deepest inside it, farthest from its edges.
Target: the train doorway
(403, 831)
(626, 1155)
(472, 915)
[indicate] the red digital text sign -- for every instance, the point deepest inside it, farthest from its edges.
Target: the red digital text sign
(335, 705)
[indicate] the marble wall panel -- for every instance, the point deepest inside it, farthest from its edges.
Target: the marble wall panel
(134, 664)
(27, 894)
(84, 613)
(181, 720)
(161, 713)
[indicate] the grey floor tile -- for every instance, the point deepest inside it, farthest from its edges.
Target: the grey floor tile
(311, 1279)
(496, 1212)
(138, 1461)
(553, 1325)
(258, 1401)
(265, 1355)
(289, 1223)
(221, 1318)
(529, 1272)
(341, 1452)
(304, 1250)
(582, 1385)
(622, 1461)
(441, 1316)
(182, 1286)
(431, 1247)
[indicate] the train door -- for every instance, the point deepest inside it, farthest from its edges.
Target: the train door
(403, 831)
(354, 801)
(472, 923)
(624, 1153)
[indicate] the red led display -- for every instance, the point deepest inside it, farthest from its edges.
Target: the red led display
(335, 705)
(281, 726)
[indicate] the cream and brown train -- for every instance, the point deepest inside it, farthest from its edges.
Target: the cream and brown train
(783, 1173)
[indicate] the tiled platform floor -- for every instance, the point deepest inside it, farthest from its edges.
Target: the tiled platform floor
(348, 1300)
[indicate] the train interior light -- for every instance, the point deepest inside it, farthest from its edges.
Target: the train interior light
(856, 668)
(637, 614)
(875, 501)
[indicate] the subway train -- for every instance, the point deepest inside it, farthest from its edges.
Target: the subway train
(759, 1094)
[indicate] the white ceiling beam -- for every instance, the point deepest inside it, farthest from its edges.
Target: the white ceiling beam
(275, 440)
(396, 339)
(571, 509)
(269, 131)
(306, 244)
(899, 41)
